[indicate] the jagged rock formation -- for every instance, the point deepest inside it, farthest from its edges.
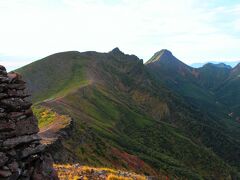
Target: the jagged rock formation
(22, 156)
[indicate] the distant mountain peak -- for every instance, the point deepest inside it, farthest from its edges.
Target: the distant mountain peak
(236, 70)
(237, 66)
(167, 63)
(118, 54)
(230, 63)
(165, 52)
(116, 50)
(163, 56)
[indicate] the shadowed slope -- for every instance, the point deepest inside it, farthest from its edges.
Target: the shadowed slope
(211, 76)
(228, 92)
(198, 87)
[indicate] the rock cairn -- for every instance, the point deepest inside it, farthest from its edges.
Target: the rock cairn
(22, 156)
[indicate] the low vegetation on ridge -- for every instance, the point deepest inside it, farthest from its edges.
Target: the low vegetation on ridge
(77, 172)
(152, 119)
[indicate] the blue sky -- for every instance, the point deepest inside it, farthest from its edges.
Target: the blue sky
(194, 30)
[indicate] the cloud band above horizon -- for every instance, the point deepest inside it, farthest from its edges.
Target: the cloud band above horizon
(195, 31)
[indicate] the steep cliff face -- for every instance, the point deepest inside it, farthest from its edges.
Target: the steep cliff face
(22, 156)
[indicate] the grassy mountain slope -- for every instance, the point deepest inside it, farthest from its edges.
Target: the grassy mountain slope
(228, 92)
(220, 132)
(211, 76)
(124, 118)
(55, 75)
(176, 75)
(186, 81)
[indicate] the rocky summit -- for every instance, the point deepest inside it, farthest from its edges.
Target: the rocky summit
(22, 156)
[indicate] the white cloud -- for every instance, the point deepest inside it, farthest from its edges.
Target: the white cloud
(194, 31)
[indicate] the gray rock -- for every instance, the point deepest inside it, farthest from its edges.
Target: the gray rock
(16, 115)
(18, 127)
(12, 153)
(7, 126)
(15, 175)
(13, 77)
(16, 93)
(16, 86)
(3, 87)
(13, 166)
(16, 104)
(26, 126)
(3, 72)
(3, 158)
(22, 155)
(10, 143)
(3, 95)
(32, 150)
(3, 115)
(5, 173)
(2, 68)
(4, 79)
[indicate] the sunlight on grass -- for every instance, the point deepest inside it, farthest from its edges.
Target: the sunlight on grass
(46, 117)
(76, 172)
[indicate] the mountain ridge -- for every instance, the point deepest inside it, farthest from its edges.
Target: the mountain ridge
(117, 102)
(230, 63)
(219, 65)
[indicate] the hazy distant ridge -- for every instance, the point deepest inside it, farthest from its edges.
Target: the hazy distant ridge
(231, 63)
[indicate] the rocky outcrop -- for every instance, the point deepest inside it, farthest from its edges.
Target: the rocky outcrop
(22, 156)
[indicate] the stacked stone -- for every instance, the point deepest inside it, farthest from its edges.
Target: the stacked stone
(21, 153)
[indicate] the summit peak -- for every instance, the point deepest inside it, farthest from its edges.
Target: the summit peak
(165, 51)
(162, 55)
(116, 50)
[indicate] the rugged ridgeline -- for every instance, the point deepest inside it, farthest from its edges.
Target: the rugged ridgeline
(149, 118)
(213, 88)
(22, 155)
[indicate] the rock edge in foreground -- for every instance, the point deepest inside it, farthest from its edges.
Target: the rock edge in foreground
(22, 156)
